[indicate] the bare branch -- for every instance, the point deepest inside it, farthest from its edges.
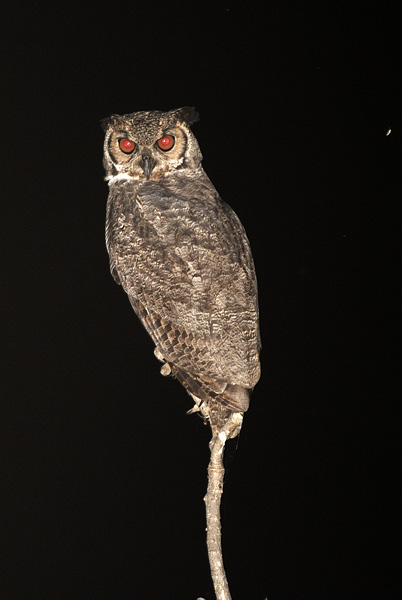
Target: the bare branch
(212, 501)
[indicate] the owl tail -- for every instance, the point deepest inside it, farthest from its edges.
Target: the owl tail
(221, 399)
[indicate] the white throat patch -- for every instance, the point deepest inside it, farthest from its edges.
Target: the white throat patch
(119, 177)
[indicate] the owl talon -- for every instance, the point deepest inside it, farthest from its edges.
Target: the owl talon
(200, 407)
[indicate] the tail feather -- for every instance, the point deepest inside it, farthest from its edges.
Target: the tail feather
(233, 398)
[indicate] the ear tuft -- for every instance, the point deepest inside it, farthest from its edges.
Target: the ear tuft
(105, 123)
(109, 121)
(188, 114)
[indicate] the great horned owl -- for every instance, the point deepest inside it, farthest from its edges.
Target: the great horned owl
(183, 257)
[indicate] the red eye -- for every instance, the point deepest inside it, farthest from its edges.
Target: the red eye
(166, 143)
(126, 145)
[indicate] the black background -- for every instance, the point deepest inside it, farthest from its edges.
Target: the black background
(103, 474)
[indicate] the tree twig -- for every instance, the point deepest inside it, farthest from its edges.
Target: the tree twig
(212, 501)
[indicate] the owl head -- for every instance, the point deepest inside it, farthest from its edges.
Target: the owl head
(150, 144)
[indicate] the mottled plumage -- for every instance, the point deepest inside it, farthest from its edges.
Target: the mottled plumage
(183, 258)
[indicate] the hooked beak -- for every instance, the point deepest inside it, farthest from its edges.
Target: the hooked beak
(147, 164)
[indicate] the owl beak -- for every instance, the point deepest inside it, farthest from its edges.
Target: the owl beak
(147, 164)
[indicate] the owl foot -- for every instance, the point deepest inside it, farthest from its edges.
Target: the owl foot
(199, 407)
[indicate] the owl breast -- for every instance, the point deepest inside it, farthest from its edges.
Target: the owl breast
(183, 258)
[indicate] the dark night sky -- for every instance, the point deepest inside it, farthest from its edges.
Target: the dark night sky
(103, 474)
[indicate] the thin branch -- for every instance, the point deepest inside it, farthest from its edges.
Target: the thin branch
(212, 501)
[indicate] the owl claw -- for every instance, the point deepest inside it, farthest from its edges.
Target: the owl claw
(200, 410)
(199, 407)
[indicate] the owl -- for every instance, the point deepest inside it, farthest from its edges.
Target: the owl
(182, 256)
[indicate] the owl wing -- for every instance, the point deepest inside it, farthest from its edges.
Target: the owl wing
(186, 265)
(108, 234)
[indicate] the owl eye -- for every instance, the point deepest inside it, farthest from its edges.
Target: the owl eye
(127, 146)
(166, 142)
